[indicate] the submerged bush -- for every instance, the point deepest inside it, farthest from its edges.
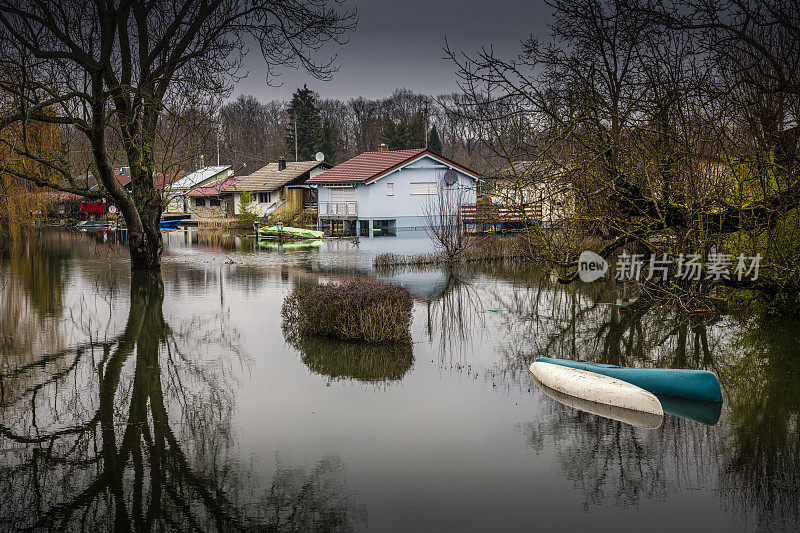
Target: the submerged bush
(363, 309)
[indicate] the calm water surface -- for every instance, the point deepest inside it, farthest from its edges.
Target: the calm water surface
(178, 403)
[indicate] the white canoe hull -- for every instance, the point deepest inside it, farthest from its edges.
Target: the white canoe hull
(596, 388)
(634, 418)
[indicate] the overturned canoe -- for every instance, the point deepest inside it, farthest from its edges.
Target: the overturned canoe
(680, 383)
(628, 416)
(701, 411)
(289, 233)
(596, 388)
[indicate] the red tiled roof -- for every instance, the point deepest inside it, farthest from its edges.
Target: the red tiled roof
(158, 180)
(215, 188)
(365, 166)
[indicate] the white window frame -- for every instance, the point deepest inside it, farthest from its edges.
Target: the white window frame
(268, 196)
(389, 188)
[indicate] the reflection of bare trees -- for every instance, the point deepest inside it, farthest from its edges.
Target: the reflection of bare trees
(455, 316)
(134, 432)
(753, 456)
(762, 468)
(115, 457)
(315, 500)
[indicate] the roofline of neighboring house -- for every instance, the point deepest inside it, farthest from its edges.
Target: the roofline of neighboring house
(389, 170)
(288, 183)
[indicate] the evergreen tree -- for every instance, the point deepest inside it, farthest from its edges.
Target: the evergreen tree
(434, 142)
(329, 142)
(394, 135)
(304, 110)
(415, 132)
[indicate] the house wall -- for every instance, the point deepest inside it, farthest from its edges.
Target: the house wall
(209, 211)
(555, 198)
(292, 205)
(406, 208)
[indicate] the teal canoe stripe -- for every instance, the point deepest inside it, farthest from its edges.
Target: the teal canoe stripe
(681, 383)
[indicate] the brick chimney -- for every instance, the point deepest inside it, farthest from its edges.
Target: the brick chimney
(383, 147)
(282, 163)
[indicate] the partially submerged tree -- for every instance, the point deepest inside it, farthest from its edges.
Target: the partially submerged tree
(111, 71)
(676, 122)
(443, 220)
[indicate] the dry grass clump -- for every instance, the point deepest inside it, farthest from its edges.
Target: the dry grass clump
(481, 250)
(363, 309)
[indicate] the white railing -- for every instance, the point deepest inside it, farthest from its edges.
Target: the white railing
(337, 209)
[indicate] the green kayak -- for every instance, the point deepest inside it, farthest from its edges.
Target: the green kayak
(289, 233)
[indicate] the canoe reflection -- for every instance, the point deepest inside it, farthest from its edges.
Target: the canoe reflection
(700, 411)
(628, 416)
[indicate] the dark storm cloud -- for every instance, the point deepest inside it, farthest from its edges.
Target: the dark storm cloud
(400, 44)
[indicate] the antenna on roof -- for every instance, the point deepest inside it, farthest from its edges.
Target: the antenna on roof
(320, 157)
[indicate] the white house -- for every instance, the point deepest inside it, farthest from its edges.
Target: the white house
(385, 191)
(178, 189)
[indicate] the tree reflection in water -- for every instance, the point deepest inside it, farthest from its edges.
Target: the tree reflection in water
(762, 459)
(134, 433)
(316, 500)
(753, 456)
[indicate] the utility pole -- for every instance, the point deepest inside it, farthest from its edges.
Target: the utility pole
(426, 125)
(295, 138)
(219, 129)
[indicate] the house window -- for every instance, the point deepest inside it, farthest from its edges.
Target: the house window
(213, 202)
(264, 197)
(423, 187)
(390, 189)
(199, 202)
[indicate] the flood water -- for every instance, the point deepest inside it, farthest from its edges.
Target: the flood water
(178, 403)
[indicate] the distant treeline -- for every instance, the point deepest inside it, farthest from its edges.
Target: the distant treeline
(254, 132)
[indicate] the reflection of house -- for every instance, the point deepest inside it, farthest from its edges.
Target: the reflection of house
(524, 193)
(385, 190)
(177, 191)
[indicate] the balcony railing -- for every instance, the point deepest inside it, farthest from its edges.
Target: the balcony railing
(338, 209)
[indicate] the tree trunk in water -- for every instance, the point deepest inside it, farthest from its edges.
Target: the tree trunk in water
(146, 245)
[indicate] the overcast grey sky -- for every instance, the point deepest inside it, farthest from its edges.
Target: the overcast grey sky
(399, 44)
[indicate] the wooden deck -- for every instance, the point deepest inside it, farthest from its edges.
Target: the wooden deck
(495, 218)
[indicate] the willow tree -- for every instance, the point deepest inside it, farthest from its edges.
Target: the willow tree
(111, 70)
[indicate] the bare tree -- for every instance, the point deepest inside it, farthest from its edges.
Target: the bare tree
(443, 219)
(114, 69)
(676, 123)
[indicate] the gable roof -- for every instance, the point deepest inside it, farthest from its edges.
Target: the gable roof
(370, 166)
(269, 178)
(124, 178)
(199, 176)
(215, 188)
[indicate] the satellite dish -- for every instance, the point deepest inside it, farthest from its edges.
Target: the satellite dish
(450, 177)
(320, 157)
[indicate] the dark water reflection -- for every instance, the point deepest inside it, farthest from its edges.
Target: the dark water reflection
(179, 402)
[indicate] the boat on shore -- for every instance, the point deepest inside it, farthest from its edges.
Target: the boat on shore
(168, 224)
(95, 225)
(678, 383)
(596, 388)
(288, 233)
